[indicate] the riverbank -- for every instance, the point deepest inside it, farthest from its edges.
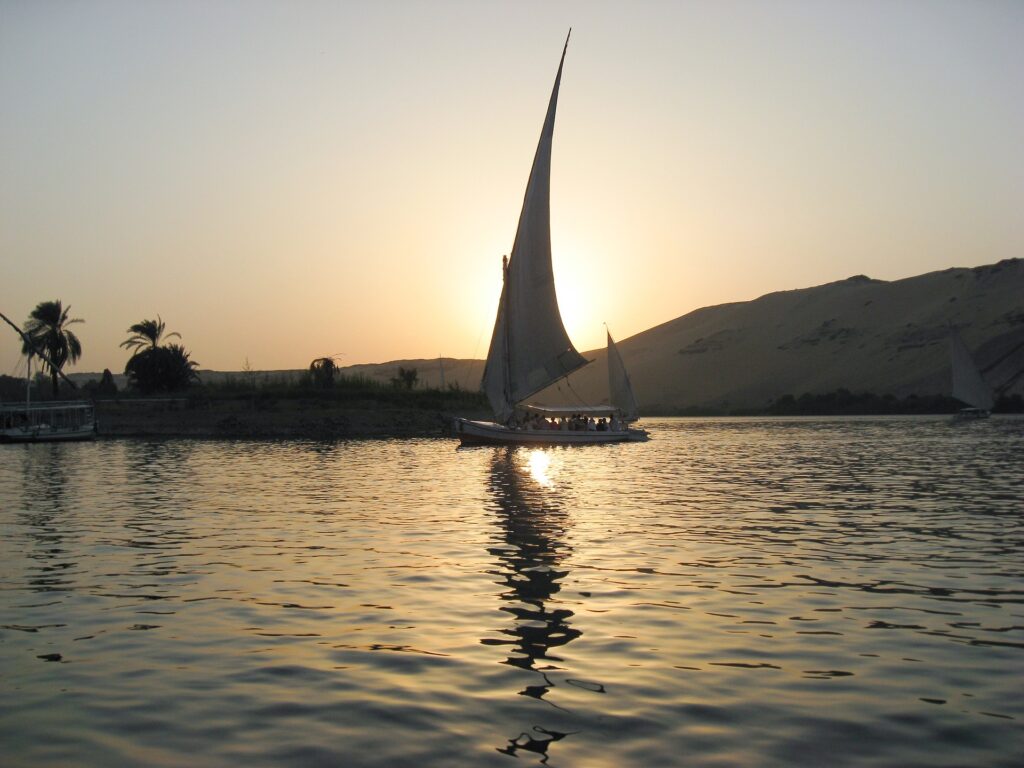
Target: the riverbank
(314, 419)
(295, 419)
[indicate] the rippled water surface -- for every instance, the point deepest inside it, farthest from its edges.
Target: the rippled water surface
(734, 592)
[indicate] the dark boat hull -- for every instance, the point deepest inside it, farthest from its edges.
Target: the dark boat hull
(488, 433)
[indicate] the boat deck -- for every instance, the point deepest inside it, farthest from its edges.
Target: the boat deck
(47, 422)
(489, 433)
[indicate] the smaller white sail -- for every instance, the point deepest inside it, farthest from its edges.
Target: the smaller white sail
(620, 391)
(968, 385)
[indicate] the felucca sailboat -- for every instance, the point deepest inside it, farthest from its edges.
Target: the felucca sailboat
(530, 349)
(968, 385)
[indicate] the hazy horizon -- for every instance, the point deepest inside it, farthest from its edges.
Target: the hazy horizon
(281, 182)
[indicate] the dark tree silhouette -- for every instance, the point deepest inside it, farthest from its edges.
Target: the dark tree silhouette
(46, 329)
(407, 377)
(161, 369)
(147, 335)
(155, 368)
(322, 370)
(106, 387)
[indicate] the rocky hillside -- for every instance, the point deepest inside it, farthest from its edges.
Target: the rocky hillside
(859, 334)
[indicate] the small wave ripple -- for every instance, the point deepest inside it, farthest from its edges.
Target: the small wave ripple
(735, 592)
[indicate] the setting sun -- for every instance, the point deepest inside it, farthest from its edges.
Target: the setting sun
(295, 202)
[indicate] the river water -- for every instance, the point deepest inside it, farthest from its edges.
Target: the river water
(734, 592)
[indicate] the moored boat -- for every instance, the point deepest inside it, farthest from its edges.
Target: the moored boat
(44, 422)
(48, 422)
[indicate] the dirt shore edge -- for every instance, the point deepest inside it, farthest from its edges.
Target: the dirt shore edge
(312, 420)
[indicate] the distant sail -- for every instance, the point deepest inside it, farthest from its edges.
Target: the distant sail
(968, 385)
(530, 349)
(619, 388)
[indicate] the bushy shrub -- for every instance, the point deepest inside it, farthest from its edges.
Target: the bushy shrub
(161, 369)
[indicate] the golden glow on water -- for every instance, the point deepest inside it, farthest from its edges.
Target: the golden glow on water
(539, 462)
(742, 591)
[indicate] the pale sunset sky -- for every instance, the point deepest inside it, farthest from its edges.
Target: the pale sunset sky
(286, 180)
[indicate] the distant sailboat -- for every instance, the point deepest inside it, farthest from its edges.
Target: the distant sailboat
(530, 349)
(620, 389)
(968, 385)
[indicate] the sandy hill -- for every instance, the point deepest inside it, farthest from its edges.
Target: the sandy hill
(862, 334)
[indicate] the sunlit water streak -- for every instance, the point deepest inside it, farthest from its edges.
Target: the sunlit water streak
(735, 592)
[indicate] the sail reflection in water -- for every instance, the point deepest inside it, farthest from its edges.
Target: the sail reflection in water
(530, 571)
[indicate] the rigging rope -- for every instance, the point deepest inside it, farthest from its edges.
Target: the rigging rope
(580, 400)
(472, 360)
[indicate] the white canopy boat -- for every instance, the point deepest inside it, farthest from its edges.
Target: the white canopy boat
(968, 384)
(530, 349)
(49, 422)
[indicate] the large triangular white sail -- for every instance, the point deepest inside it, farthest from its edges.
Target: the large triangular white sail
(620, 390)
(530, 349)
(968, 385)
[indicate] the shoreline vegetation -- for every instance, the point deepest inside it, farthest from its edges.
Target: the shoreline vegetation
(311, 406)
(244, 406)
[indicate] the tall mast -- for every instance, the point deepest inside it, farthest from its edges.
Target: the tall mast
(33, 349)
(503, 311)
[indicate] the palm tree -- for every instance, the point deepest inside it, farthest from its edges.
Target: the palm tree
(161, 369)
(46, 330)
(147, 335)
(156, 367)
(323, 370)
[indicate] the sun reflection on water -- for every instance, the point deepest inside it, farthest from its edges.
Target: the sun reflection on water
(532, 556)
(538, 463)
